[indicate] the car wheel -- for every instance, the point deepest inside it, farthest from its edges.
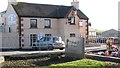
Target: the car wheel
(50, 48)
(33, 48)
(61, 48)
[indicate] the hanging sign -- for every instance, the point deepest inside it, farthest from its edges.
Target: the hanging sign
(82, 23)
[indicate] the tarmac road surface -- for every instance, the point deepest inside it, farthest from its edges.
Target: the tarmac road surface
(10, 53)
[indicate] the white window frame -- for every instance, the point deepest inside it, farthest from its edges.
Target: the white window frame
(33, 21)
(47, 23)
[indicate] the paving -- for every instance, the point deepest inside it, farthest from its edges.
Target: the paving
(87, 49)
(95, 48)
(10, 53)
(55, 51)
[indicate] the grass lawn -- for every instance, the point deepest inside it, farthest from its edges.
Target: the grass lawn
(84, 63)
(60, 63)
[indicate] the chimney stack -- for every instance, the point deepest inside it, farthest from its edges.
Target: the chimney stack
(75, 3)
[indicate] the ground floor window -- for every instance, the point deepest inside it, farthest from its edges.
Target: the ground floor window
(33, 38)
(72, 35)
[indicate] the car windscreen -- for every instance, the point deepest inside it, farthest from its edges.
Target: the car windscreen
(42, 39)
(55, 39)
(47, 38)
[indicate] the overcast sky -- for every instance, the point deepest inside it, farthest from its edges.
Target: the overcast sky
(103, 14)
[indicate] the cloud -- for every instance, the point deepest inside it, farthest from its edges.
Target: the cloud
(3, 5)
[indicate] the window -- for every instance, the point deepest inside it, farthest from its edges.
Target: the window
(9, 29)
(33, 23)
(72, 35)
(55, 39)
(33, 38)
(47, 35)
(47, 23)
(71, 20)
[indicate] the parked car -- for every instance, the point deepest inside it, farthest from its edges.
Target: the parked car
(49, 43)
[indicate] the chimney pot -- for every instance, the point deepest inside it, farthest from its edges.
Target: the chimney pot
(75, 3)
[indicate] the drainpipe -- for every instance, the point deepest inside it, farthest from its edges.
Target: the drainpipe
(87, 32)
(19, 30)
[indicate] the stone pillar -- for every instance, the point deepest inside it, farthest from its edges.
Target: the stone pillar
(2, 59)
(118, 52)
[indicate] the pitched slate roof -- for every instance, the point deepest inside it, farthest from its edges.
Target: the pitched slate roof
(110, 33)
(44, 10)
(81, 15)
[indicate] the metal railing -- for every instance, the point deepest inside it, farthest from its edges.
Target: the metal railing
(97, 41)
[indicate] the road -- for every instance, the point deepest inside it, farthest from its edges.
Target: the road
(95, 48)
(55, 51)
(10, 53)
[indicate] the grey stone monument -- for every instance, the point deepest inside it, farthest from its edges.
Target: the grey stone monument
(75, 48)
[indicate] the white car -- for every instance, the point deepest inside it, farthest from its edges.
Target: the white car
(49, 43)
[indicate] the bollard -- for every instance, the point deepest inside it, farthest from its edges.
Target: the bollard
(2, 59)
(106, 53)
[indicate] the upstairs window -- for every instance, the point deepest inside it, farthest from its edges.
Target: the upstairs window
(33, 23)
(71, 20)
(47, 23)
